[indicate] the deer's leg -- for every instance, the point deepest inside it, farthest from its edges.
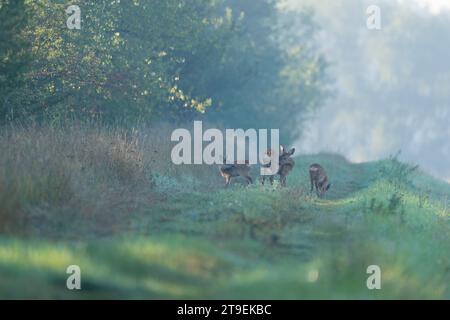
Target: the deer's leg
(322, 190)
(317, 188)
(227, 180)
(263, 178)
(320, 194)
(312, 184)
(271, 180)
(283, 180)
(249, 179)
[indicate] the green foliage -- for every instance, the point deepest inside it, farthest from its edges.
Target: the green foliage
(13, 52)
(266, 74)
(228, 62)
(176, 232)
(396, 172)
(394, 205)
(114, 67)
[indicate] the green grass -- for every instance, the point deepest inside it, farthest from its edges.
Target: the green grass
(185, 236)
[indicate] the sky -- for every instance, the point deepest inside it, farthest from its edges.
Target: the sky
(434, 7)
(392, 86)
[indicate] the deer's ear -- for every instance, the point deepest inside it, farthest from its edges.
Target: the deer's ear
(282, 148)
(291, 152)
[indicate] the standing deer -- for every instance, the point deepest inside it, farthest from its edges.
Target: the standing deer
(229, 171)
(319, 179)
(285, 165)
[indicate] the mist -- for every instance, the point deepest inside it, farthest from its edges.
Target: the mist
(391, 86)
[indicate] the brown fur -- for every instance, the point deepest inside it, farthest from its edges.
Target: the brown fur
(285, 165)
(229, 171)
(319, 179)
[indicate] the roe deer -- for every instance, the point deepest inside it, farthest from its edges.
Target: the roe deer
(229, 171)
(285, 165)
(319, 179)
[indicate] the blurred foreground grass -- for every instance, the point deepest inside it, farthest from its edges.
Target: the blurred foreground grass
(139, 227)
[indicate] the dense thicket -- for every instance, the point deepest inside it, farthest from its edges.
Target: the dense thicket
(229, 62)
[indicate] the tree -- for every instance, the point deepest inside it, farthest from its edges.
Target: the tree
(13, 51)
(258, 72)
(120, 65)
(230, 62)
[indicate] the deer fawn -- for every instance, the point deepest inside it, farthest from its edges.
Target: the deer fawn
(319, 179)
(229, 171)
(285, 165)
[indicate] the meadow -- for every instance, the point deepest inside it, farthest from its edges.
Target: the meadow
(110, 201)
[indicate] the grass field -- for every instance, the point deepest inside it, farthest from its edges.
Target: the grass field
(139, 227)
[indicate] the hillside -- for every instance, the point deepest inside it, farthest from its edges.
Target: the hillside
(191, 238)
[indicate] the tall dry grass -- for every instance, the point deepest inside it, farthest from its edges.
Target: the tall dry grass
(51, 175)
(79, 180)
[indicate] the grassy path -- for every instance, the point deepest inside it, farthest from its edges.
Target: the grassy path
(259, 242)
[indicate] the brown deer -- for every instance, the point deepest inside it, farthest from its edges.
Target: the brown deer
(285, 165)
(229, 171)
(319, 179)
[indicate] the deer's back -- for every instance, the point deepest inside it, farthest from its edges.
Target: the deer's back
(235, 170)
(317, 172)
